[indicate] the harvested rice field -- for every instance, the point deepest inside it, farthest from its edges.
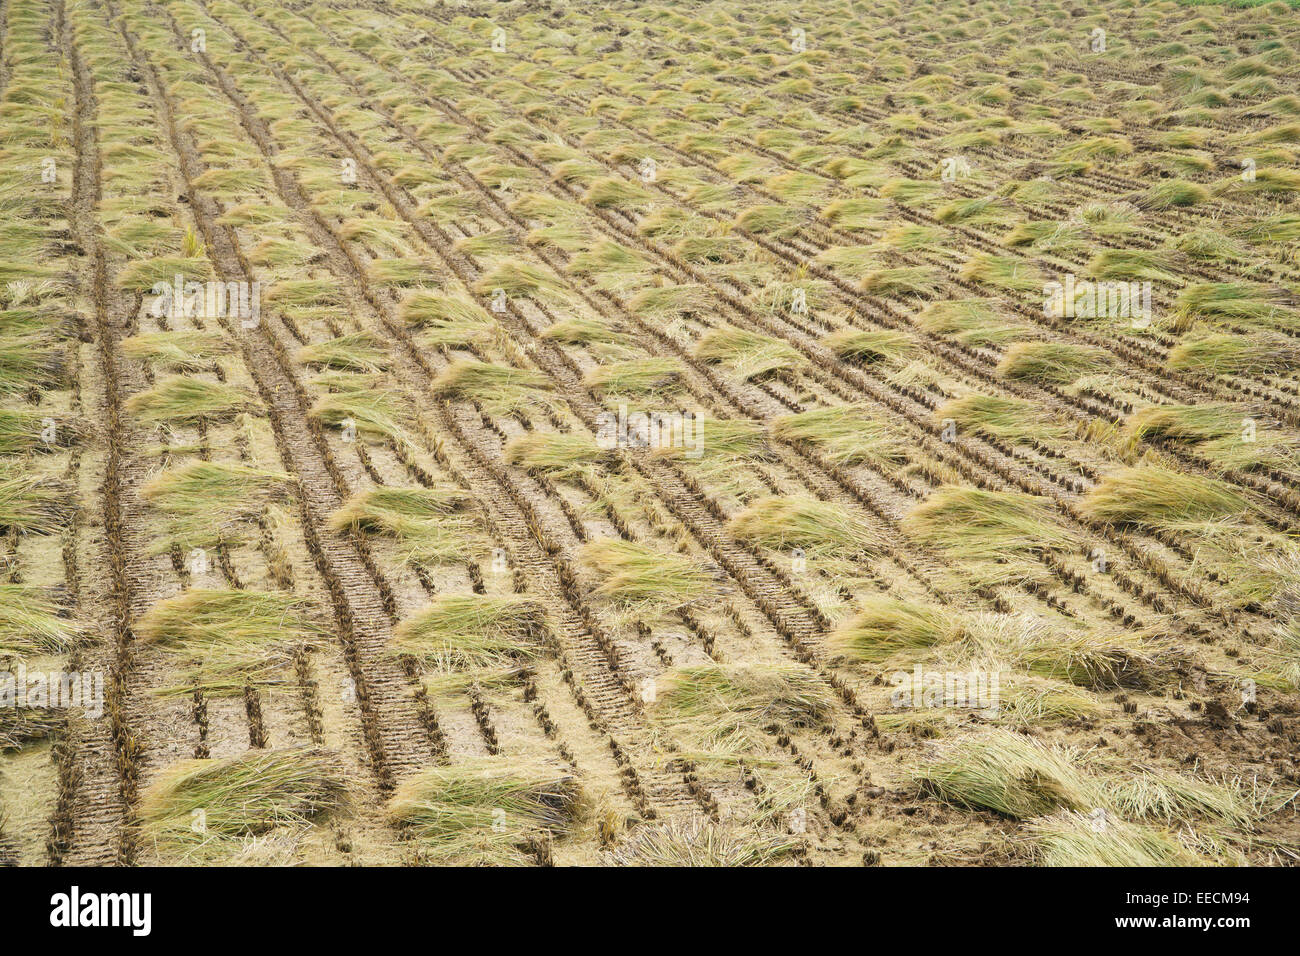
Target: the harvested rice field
(626, 434)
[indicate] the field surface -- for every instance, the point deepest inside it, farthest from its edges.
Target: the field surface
(813, 433)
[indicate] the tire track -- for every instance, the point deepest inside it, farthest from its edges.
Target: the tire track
(1133, 349)
(912, 405)
(398, 741)
(588, 663)
(105, 755)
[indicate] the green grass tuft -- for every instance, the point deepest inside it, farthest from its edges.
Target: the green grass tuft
(643, 577)
(180, 398)
(498, 387)
(819, 527)
(1015, 776)
(787, 696)
(431, 524)
(970, 321)
(240, 797)
(1053, 363)
(1235, 354)
(1011, 419)
(32, 623)
(32, 504)
(975, 524)
(179, 351)
(357, 352)
(885, 626)
(748, 355)
(1073, 839)
(484, 812)
(555, 453)
(456, 632)
(636, 377)
(375, 413)
(229, 638)
(1155, 497)
(1240, 302)
(845, 434)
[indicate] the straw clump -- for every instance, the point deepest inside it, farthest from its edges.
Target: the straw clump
(468, 631)
(816, 526)
(239, 798)
(485, 812)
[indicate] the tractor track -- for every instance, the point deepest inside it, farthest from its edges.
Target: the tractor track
(855, 490)
(398, 204)
(1134, 349)
(399, 742)
(106, 754)
(819, 484)
(435, 135)
(826, 361)
(1274, 486)
(443, 251)
(585, 661)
